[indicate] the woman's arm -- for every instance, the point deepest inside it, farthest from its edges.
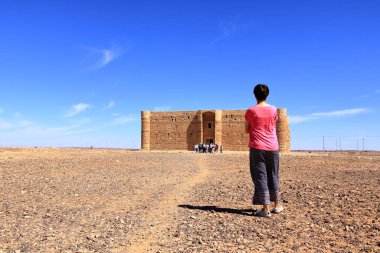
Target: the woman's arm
(246, 127)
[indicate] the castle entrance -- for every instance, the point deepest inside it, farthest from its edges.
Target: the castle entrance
(208, 141)
(208, 119)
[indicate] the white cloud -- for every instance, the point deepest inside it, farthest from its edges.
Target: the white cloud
(298, 119)
(25, 123)
(229, 27)
(74, 131)
(162, 108)
(15, 124)
(106, 57)
(29, 129)
(97, 58)
(109, 106)
(322, 115)
(340, 113)
(124, 120)
(5, 125)
(17, 115)
(76, 109)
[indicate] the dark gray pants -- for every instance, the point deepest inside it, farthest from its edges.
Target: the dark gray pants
(264, 166)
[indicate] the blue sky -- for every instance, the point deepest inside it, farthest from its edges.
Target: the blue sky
(78, 73)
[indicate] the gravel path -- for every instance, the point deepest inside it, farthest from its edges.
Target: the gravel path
(77, 200)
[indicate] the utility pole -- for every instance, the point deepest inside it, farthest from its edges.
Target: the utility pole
(363, 143)
(323, 143)
(336, 144)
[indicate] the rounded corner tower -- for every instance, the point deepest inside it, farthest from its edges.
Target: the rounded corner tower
(283, 131)
(145, 130)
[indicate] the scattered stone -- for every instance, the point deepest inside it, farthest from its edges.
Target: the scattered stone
(183, 202)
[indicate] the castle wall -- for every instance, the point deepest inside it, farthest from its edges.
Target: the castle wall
(233, 133)
(181, 130)
(174, 130)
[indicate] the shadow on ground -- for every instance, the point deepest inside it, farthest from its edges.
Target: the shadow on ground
(247, 212)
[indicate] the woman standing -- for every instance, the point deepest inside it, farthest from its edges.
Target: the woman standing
(260, 124)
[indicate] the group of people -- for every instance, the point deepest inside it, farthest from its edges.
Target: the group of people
(207, 148)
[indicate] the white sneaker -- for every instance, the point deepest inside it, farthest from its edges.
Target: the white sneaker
(277, 209)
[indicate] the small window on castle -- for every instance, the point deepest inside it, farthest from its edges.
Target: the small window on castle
(188, 117)
(209, 125)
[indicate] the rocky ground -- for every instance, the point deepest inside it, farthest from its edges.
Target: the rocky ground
(89, 200)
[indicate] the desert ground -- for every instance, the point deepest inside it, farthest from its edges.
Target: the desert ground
(94, 200)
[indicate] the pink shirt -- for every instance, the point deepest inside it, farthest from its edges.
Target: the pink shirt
(262, 127)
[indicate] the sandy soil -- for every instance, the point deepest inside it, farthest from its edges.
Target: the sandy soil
(78, 200)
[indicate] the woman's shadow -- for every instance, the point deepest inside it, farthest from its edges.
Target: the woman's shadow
(247, 212)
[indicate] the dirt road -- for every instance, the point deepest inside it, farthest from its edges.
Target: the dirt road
(76, 200)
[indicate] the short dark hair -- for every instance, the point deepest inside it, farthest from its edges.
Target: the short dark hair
(261, 91)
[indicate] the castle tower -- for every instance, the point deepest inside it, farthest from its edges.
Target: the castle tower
(145, 130)
(283, 131)
(218, 126)
(200, 126)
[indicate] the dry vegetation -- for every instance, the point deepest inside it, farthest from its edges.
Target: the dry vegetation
(76, 200)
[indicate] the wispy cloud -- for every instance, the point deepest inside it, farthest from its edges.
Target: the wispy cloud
(1, 110)
(106, 56)
(377, 91)
(98, 58)
(15, 124)
(45, 131)
(76, 109)
(340, 113)
(5, 124)
(322, 115)
(162, 108)
(124, 120)
(108, 106)
(17, 115)
(20, 131)
(25, 123)
(229, 27)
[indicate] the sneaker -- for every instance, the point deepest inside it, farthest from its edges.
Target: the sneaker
(264, 214)
(277, 209)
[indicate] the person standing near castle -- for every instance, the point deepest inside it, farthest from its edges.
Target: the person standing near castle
(260, 124)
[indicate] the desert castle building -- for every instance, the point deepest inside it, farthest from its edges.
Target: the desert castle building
(181, 130)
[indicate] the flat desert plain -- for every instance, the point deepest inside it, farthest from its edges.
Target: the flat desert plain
(93, 200)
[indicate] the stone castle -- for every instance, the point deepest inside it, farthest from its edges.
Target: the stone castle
(181, 130)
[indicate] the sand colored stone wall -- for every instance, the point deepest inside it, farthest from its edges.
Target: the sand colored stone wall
(181, 130)
(172, 130)
(233, 134)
